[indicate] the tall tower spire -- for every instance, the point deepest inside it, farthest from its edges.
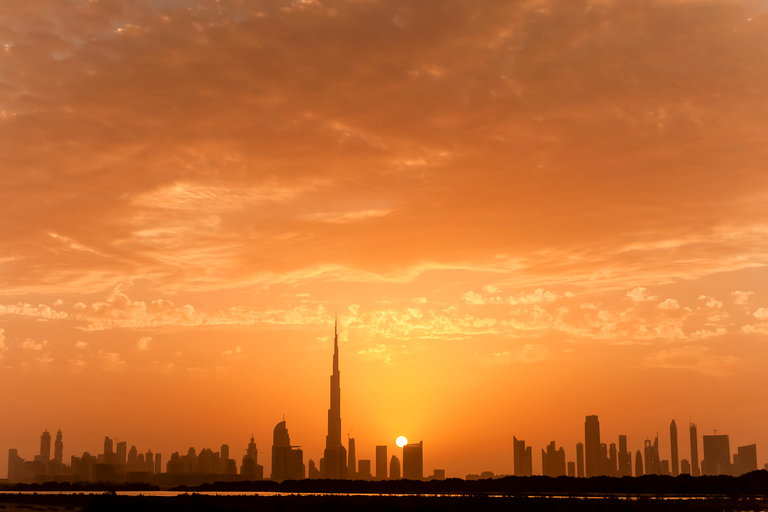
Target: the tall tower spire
(335, 455)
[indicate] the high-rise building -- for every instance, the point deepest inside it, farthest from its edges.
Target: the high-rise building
(553, 461)
(287, 460)
(109, 453)
(652, 461)
(625, 458)
(394, 468)
(15, 466)
(364, 469)
(694, 450)
(592, 446)
(335, 455)
(580, 460)
(613, 460)
(121, 453)
(413, 461)
(381, 463)
(250, 467)
(523, 463)
(717, 455)
(685, 467)
(45, 447)
(638, 463)
(571, 469)
(58, 447)
(602, 462)
(351, 461)
(747, 459)
(673, 445)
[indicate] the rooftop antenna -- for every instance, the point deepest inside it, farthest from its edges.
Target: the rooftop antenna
(350, 431)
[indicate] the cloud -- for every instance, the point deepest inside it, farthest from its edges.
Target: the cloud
(640, 294)
(740, 297)
(30, 344)
(473, 298)
(81, 345)
(27, 310)
(668, 304)
(112, 362)
(695, 358)
(3, 346)
(44, 358)
(237, 350)
(143, 342)
(537, 297)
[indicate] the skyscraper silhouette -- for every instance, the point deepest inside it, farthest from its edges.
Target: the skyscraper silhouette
(394, 468)
(335, 455)
(673, 445)
(413, 461)
(58, 451)
(694, 451)
(523, 463)
(287, 460)
(580, 460)
(625, 457)
(381, 462)
(592, 446)
(351, 460)
(45, 447)
(638, 463)
(651, 454)
(717, 455)
(108, 451)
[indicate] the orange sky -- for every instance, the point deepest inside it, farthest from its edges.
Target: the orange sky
(524, 212)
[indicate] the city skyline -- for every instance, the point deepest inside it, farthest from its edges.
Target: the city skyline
(525, 213)
(595, 456)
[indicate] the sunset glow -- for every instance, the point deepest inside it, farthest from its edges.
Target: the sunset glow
(401, 441)
(522, 212)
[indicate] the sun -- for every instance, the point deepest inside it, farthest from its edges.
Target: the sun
(401, 441)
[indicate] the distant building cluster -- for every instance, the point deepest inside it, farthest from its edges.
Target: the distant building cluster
(596, 458)
(117, 464)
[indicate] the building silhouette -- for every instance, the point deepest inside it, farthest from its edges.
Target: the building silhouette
(694, 450)
(287, 460)
(523, 458)
(413, 461)
(553, 461)
(381, 462)
(580, 460)
(613, 461)
(45, 447)
(121, 453)
(250, 468)
(745, 459)
(394, 468)
(108, 451)
(717, 455)
(638, 463)
(592, 446)
(675, 469)
(58, 450)
(334, 464)
(364, 469)
(625, 457)
(351, 461)
(651, 454)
